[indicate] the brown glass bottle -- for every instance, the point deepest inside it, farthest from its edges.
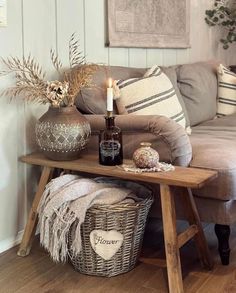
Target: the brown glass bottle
(110, 143)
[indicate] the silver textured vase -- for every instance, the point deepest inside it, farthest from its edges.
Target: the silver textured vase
(61, 133)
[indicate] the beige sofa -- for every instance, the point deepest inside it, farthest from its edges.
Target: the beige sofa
(212, 144)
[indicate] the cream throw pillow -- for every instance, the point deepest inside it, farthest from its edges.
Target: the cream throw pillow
(226, 103)
(153, 94)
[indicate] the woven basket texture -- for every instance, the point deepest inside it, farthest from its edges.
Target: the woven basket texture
(129, 219)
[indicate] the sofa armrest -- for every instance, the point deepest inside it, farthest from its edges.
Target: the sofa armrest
(166, 135)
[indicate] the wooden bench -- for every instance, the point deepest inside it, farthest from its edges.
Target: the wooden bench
(179, 181)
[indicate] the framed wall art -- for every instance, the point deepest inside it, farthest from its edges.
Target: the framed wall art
(148, 23)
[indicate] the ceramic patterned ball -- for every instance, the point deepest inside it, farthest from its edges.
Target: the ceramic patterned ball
(145, 156)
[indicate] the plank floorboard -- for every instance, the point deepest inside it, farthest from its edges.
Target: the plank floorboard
(37, 273)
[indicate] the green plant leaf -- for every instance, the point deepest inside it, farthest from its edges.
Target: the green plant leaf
(223, 15)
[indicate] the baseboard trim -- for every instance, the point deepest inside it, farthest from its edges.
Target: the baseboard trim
(10, 242)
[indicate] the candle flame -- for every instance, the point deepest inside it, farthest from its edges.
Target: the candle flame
(110, 82)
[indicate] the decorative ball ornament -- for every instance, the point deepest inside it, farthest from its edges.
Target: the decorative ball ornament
(145, 156)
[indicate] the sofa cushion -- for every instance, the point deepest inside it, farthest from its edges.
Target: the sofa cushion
(226, 102)
(198, 86)
(93, 100)
(152, 94)
(214, 147)
(170, 71)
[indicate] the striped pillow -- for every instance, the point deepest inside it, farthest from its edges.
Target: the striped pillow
(152, 94)
(226, 103)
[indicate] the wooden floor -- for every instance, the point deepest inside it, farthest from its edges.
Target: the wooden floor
(37, 273)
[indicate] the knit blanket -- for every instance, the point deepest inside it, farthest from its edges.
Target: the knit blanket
(65, 202)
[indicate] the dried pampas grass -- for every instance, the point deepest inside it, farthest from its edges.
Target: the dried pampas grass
(31, 83)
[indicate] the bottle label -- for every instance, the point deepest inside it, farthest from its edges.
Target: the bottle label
(110, 148)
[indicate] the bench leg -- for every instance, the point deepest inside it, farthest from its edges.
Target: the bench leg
(30, 227)
(223, 233)
(193, 218)
(171, 242)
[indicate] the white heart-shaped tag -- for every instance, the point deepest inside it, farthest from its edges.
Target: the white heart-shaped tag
(106, 243)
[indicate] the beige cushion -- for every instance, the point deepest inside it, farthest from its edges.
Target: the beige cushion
(226, 103)
(198, 86)
(153, 94)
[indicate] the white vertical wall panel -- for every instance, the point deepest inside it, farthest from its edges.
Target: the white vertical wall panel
(154, 56)
(138, 57)
(200, 37)
(182, 56)
(11, 35)
(39, 26)
(169, 57)
(95, 31)
(10, 43)
(118, 56)
(9, 176)
(69, 20)
(195, 32)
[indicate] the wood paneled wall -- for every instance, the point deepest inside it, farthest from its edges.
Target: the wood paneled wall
(37, 26)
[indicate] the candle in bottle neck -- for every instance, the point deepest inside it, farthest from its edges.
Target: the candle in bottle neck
(110, 96)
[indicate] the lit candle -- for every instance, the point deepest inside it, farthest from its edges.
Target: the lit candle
(110, 96)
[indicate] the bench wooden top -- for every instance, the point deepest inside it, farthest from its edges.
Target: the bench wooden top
(181, 176)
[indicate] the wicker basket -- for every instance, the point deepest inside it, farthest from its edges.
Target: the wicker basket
(129, 219)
